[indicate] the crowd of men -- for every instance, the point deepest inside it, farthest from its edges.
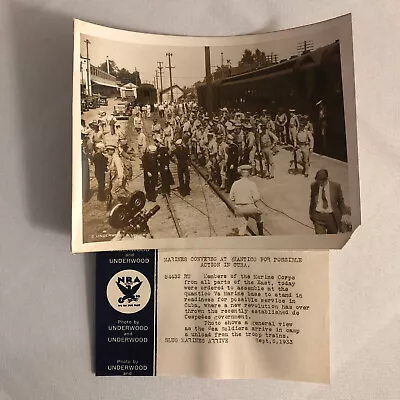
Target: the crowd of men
(228, 144)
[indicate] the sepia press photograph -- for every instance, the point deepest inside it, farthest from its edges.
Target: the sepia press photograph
(214, 139)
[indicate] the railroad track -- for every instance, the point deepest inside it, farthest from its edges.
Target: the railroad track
(193, 215)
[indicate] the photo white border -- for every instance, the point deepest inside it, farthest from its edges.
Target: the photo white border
(294, 242)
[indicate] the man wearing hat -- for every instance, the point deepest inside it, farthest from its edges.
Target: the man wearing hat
(137, 122)
(116, 168)
(155, 128)
(327, 207)
(280, 124)
(141, 143)
(181, 153)
(112, 121)
(305, 143)
(212, 149)
(150, 172)
(249, 146)
(267, 141)
(294, 125)
(127, 155)
(100, 168)
(232, 161)
(245, 195)
(163, 159)
(168, 134)
(323, 122)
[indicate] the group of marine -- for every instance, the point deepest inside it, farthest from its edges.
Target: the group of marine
(220, 144)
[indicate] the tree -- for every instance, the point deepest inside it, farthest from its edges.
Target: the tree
(260, 59)
(125, 76)
(247, 58)
(135, 78)
(112, 65)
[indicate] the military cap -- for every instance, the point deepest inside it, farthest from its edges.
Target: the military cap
(100, 145)
(230, 127)
(247, 126)
(244, 167)
(292, 110)
(179, 142)
(152, 148)
(110, 147)
(229, 137)
(318, 102)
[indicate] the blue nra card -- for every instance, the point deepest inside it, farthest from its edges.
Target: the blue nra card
(126, 294)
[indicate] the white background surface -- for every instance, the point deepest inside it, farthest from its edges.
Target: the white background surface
(46, 294)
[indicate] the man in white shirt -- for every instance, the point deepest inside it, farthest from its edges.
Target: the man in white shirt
(327, 206)
(142, 143)
(245, 195)
(137, 123)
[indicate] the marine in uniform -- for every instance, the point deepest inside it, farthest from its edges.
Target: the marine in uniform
(232, 162)
(150, 169)
(100, 162)
(245, 195)
(181, 153)
(267, 142)
(163, 159)
(294, 125)
(280, 123)
(249, 147)
(323, 122)
(127, 155)
(305, 144)
(168, 135)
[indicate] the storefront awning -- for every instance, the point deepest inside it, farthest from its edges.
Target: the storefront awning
(104, 84)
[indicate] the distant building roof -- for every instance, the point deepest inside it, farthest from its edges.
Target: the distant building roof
(171, 87)
(129, 85)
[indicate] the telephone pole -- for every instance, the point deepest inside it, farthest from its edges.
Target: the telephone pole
(88, 83)
(160, 67)
(170, 74)
(108, 65)
(156, 79)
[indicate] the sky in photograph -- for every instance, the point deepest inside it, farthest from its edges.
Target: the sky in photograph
(188, 61)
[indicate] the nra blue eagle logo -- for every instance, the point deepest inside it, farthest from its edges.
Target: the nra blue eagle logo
(128, 289)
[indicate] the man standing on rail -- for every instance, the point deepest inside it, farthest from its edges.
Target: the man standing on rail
(181, 153)
(245, 195)
(150, 169)
(305, 143)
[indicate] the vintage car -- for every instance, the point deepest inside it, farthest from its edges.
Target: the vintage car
(122, 111)
(103, 101)
(84, 105)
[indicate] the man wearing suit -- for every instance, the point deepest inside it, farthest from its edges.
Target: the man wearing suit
(327, 206)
